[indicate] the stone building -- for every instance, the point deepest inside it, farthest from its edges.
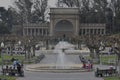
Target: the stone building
(63, 21)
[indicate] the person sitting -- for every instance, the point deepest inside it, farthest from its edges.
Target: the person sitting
(11, 71)
(13, 59)
(7, 73)
(19, 68)
(15, 62)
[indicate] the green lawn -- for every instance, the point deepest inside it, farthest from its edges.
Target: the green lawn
(108, 59)
(19, 57)
(9, 57)
(7, 77)
(105, 59)
(111, 78)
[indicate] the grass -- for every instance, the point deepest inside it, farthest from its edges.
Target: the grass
(111, 78)
(9, 57)
(105, 59)
(108, 59)
(19, 57)
(7, 77)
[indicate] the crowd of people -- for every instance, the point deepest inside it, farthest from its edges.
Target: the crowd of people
(87, 64)
(16, 65)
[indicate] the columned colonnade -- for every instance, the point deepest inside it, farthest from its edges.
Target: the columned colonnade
(28, 31)
(92, 31)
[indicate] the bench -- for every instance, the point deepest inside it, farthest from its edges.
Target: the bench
(105, 72)
(12, 72)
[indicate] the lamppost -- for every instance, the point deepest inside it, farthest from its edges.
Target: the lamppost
(2, 47)
(19, 43)
(116, 47)
(29, 53)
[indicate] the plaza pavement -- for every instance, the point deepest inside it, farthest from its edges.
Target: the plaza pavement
(61, 76)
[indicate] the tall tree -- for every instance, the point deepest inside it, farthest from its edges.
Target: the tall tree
(25, 9)
(32, 10)
(39, 13)
(115, 7)
(5, 26)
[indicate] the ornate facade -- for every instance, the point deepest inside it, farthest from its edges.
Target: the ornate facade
(63, 21)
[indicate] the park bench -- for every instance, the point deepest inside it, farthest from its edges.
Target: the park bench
(39, 58)
(12, 72)
(105, 72)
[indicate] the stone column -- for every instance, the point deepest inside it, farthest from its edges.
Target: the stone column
(77, 26)
(46, 32)
(42, 33)
(23, 31)
(89, 31)
(27, 31)
(31, 32)
(34, 31)
(38, 33)
(100, 31)
(86, 32)
(96, 31)
(51, 27)
(93, 31)
(104, 32)
(81, 31)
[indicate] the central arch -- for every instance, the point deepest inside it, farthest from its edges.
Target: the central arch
(64, 27)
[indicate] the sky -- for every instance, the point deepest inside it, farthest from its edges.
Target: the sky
(7, 3)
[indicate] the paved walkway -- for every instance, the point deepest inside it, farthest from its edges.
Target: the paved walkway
(61, 76)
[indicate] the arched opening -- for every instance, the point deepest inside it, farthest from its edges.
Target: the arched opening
(64, 27)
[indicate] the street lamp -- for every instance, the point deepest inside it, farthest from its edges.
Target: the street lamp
(19, 42)
(2, 46)
(115, 47)
(29, 49)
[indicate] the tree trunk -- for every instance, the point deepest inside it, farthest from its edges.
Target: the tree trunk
(91, 53)
(97, 55)
(33, 50)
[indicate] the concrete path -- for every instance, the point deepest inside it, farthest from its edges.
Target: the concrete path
(59, 76)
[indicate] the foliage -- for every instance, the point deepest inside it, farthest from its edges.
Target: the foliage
(4, 29)
(24, 7)
(111, 78)
(31, 11)
(7, 77)
(39, 13)
(9, 57)
(5, 21)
